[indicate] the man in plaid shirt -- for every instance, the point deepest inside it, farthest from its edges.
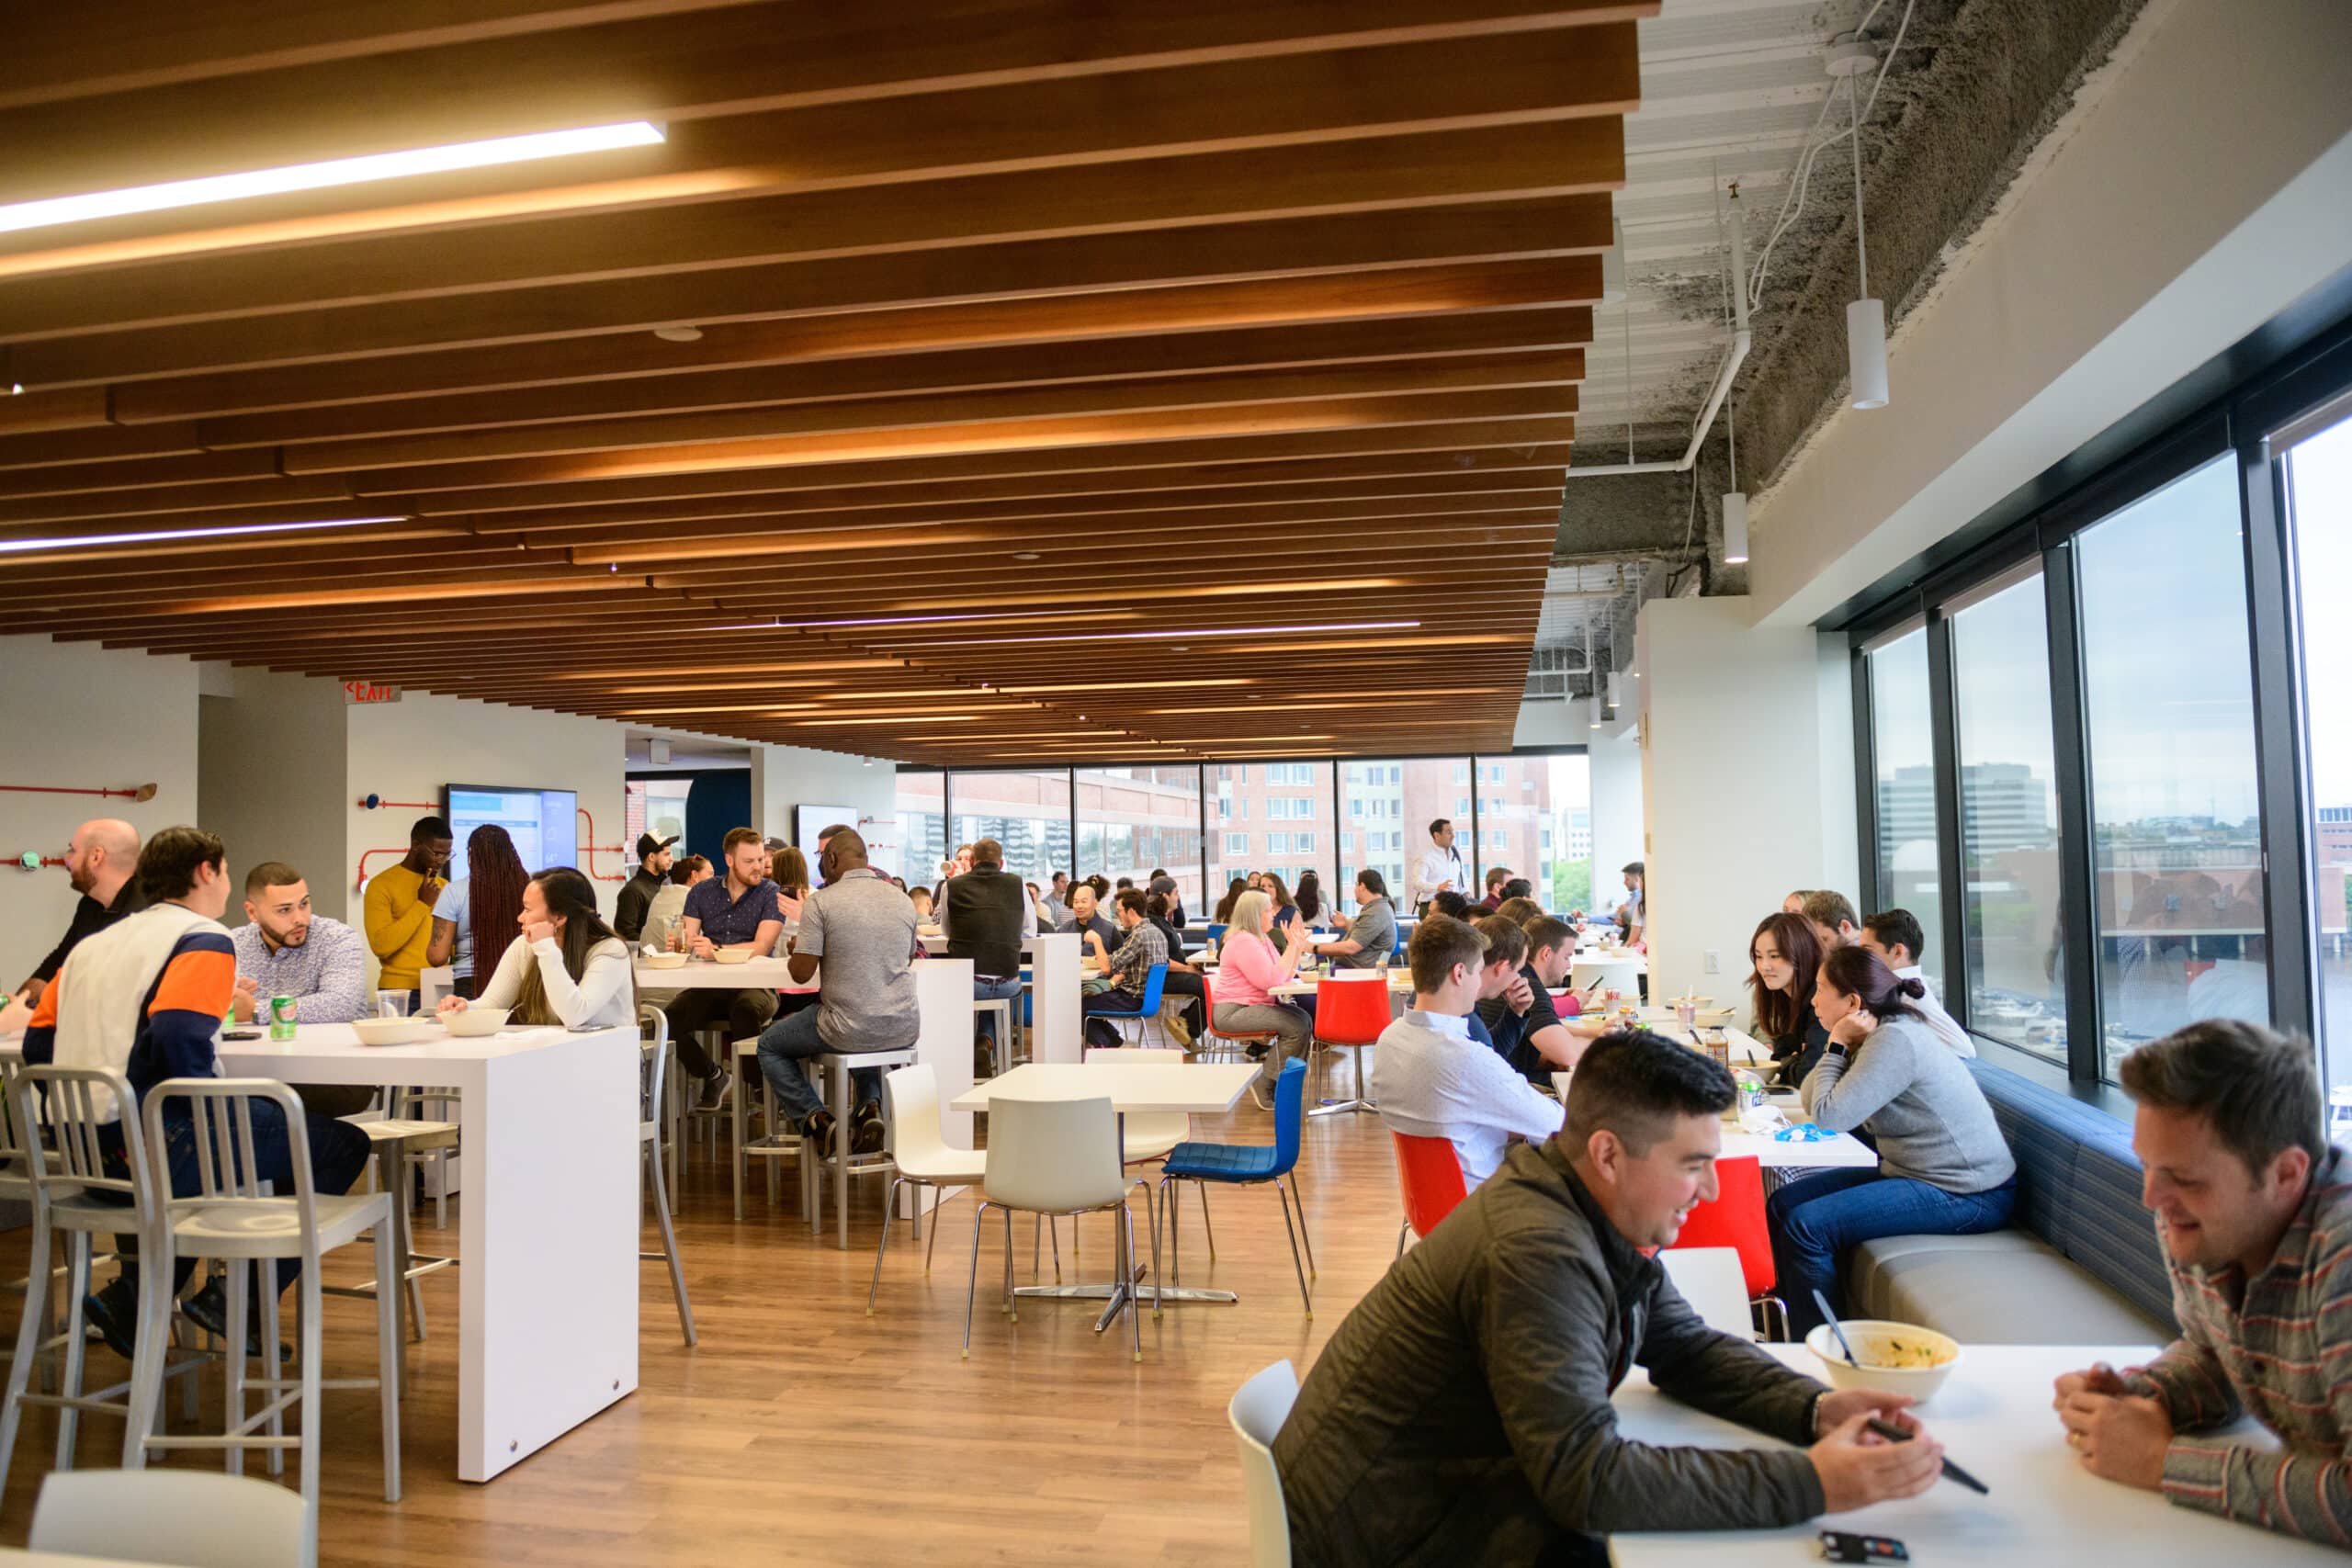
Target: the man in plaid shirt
(2255, 1212)
(1129, 967)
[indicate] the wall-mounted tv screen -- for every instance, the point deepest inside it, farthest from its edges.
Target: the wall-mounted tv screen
(543, 823)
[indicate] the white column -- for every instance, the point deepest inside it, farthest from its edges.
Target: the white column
(1055, 1035)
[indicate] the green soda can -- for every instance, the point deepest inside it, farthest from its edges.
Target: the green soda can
(281, 1018)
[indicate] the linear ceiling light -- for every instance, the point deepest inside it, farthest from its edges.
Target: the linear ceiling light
(82, 541)
(1164, 635)
(334, 171)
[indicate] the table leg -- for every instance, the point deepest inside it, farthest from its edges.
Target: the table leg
(552, 1197)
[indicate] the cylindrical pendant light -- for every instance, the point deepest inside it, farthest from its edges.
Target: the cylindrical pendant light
(1598, 717)
(1734, 528)
(1613, 266)
(1616, 688)
(1866, 352)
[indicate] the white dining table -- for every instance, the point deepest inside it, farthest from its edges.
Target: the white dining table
(1993, 1415)
(699, 973)
(547, 1287)
(1200, 1088)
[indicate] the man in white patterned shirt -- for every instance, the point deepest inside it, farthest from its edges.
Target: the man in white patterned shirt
(1432, 1080)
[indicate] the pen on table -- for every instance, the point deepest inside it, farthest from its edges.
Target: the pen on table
(1894, 1433)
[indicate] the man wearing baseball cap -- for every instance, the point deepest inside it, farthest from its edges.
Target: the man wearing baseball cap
(637, 894)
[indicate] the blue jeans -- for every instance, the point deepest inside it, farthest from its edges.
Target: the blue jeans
(994, 991)
(1815, 1220)
(787, 1043)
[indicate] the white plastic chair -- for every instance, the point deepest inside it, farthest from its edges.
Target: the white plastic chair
(190, 1518)
(1258, 1409)
(1053, 1157)
(230, 1218)
(925, 1158)
(1711, 1280)
(1150, 1133)
(653, 1069)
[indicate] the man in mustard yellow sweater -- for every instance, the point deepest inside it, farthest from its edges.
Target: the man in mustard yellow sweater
(398, 910)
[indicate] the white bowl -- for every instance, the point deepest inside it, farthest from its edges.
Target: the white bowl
(474, 1022)
(732, 954)
(662, 960)
(1873, 1339)
(392, 1031)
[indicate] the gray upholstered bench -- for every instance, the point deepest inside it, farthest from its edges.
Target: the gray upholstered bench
(2080, 1266)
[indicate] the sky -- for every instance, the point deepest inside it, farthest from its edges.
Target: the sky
(2319, 493)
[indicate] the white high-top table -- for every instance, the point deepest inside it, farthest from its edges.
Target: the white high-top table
(1204, 1089)
(700, 974)
(547, 1291)
(1993, 1415)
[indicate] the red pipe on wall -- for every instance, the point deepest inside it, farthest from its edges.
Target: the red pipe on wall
(145, 792)
(362, 863)
(33, 860)
(373, 802)
(592, 849)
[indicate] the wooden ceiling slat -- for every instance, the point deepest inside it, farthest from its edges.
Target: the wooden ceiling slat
(106, 443)
(36, 414)
(1555, 226)
(90, 478)
(264, 500)
(1396, 294)
(929, 374)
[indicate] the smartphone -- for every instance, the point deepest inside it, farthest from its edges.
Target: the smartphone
(1842, 1546)
(241, 1034)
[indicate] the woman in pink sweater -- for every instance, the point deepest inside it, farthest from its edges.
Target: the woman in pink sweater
(1247, 970)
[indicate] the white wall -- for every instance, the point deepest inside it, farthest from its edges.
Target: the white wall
(80, 717)
(1749, 780)
(1617, 835)
(786, 777)
(408, 749)
(2206, 186)
(273, 774)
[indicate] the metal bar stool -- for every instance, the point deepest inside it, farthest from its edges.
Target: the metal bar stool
(653, 1072)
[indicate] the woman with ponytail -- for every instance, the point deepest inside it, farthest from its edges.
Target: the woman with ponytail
(1943, 1170)
(568, 966)
(476, 910)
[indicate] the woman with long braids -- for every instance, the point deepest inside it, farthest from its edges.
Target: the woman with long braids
(568, 966)
(476, 910)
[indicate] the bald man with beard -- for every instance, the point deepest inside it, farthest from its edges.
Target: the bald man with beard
(101, 863)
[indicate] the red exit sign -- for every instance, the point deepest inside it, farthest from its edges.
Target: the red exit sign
(357, 691)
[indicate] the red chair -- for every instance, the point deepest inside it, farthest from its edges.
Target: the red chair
(1735, 1219)
(1350, 1014)
(1430, 1172)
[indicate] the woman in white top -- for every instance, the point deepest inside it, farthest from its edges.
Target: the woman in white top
(568, 968)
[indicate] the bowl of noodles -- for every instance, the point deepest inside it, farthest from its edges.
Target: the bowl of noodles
(1901, 1358)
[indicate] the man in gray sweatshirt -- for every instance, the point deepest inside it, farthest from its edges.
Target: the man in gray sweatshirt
(1463, 1413)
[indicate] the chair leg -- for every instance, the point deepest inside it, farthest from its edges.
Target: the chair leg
(1295, 1263)
(39, 1288)
(388, 1363)
(404, 1245)
(313, 1313)
(841, 1154)
(1054, 1230)
(1206, 1229)
(1300, 1203)
(235, 1364)
(736, 1120)
(1403, 1228)
(670, 1241)
(266, 1282)
(937, 1224)
(972, 1287)
(890, 1206)
(77, 1285)
(1135, 1308)
(1011, 1301)
(1152, 1195)
(767, 1119)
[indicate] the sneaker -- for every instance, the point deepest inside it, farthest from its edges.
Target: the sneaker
(113, 1311)
(208, 1309)
(818, 1130)
(983, 1059)
(867, 1133)
(714, 1090)
(1174, 1023)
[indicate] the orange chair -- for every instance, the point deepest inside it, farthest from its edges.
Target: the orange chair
(1430, 1172)
(1735, 1219)
(1225, 1042)
(1351, 1014)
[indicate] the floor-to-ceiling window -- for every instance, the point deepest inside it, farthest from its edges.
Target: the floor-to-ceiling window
(1134, 820)
(1028, 813)
(1909, 869)
(1275, 815)
(2016, 950)
(1387, 806)
(2318, 491)
(2168, 710)
(923, 827)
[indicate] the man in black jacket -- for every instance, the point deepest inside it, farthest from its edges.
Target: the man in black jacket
(1462, 1413)
(986, 915)
(102, 863)
(636, 897)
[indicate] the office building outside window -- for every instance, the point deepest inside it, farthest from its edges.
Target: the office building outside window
(2318, 472)
(1909, 868)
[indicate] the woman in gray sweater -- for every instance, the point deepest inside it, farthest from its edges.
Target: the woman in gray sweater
(1943, 1166)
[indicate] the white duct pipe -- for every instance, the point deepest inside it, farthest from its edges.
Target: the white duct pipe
(1734, 357)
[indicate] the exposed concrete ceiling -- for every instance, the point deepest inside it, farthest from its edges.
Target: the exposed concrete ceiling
(1733, 92)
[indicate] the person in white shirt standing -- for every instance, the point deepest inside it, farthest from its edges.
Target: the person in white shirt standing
(1894, 935)
(1432, 1080)
(1438, 870)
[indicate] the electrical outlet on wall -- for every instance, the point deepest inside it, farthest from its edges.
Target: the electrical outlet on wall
(1714, 960)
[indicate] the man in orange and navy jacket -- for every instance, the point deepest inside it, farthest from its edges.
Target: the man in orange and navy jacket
(145, 998)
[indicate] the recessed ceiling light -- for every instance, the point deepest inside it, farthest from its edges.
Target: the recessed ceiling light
(332, 172)
(678, 334)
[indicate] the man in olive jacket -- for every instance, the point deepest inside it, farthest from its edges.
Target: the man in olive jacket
(1462, 1413)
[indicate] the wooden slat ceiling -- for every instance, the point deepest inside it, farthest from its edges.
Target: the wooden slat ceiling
(1073, 380)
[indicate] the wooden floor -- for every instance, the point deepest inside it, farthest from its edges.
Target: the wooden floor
(800, 1430)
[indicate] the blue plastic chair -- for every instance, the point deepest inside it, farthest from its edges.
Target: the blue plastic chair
(1247, 1165)
(1154, 984)
(1216, 931)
